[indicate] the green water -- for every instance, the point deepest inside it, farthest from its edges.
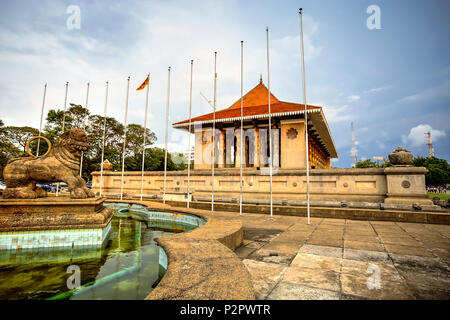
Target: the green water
(126, 267)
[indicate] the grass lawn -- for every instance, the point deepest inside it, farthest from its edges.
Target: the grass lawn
(440, 195)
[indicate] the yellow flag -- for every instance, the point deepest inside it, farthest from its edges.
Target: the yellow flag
(144, 84)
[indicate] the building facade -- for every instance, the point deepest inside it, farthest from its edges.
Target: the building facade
(287, 130)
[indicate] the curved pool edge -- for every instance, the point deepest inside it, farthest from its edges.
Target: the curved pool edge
(201, 262)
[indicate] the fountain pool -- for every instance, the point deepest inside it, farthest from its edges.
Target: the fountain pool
(128, 265)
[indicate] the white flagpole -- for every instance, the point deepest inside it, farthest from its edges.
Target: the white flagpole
(270, 126)
(64, 124)
(104, 134)
(306, 120)
(42, 116)
(213, 162)
(84, 128)
(167, 136)
(124, 137)
(145, 134)
(242, 124)
(189, 144)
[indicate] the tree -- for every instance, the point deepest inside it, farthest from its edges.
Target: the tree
(438, 170)
(135, 139)
(18, 136)
(78, 116)
(371, 164)
(366, 164)
(8, 149)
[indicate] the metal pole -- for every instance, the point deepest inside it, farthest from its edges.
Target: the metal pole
(42, 116)
(84, 128)
(242, 125)
(306, 120)
(124, 136)
(104, 134)
(270, 125)
(167, 136)
(213, 162)
(145, 134)
(189, 144)
(64, 124)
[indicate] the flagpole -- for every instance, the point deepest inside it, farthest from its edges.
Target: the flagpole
(306, 121)
(124, 137)
(84, 128)
(214, 132)
(104, 134)
(167, 136)
(189, 144)
(42, 116)
(145, 134)
(242, 124)
(270, 125)
(63, 124)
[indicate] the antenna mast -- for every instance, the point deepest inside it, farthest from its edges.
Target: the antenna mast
(429, 144)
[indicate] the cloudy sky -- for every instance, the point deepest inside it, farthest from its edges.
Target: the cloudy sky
(393, 82)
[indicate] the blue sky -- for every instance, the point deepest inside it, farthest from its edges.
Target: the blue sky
(393, 83)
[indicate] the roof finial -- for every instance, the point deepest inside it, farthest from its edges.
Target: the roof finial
(260, 78)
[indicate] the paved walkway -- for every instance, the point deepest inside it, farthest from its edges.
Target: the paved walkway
(344, 259)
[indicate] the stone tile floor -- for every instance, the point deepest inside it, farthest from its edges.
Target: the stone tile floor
(344, 259)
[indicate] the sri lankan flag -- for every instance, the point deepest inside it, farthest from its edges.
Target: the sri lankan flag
(144, 84)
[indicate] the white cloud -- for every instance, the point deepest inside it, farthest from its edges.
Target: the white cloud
(428, 94)
(30, 56)
(353, 98)
(416, 136)
(337, 114)
(378, 89)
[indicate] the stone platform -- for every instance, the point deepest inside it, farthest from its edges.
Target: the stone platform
(53, 222)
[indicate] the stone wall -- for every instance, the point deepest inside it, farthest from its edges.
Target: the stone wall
(393, 185)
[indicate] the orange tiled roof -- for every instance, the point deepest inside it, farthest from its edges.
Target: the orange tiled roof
(254, 103)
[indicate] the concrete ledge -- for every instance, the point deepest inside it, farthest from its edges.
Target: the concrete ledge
(331, 212)
(201, 263)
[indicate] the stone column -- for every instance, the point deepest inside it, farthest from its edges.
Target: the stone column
(203, 151)
(221, 151)
(263, 146)
(229, 140)
(276, 146)
(238, 148)
(256, 145)
(198, 150)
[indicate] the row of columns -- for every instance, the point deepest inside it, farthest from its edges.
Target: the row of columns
(228, 144)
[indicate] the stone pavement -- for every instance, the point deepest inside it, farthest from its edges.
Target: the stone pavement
(344, 259)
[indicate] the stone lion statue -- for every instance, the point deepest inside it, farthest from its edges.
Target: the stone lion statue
(60, 164)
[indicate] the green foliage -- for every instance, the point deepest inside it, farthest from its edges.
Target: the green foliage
(8, 150)
(443, 196)
(371, 164)
(438, 170)
(366, 164)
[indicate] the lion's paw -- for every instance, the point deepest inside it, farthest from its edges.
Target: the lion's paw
(78, 194)
(89, 192)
